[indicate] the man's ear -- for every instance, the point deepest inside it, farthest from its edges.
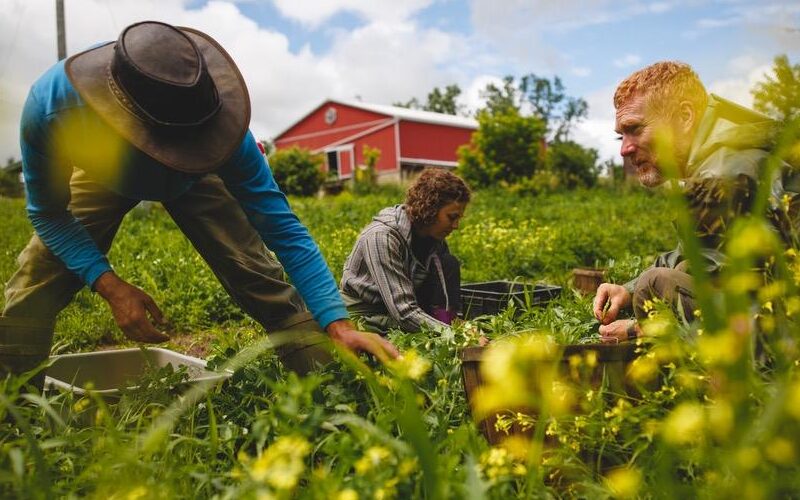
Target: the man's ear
(686, 116)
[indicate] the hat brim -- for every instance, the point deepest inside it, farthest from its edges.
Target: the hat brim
(196, 150)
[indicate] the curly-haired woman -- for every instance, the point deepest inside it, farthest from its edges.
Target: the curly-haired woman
(400, 273)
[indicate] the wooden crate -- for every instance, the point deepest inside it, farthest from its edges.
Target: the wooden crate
(612, 363)
(586, 280)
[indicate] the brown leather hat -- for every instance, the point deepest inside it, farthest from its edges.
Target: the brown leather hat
(173, 92)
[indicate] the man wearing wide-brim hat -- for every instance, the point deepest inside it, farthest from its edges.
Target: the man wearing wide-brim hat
(162, 114)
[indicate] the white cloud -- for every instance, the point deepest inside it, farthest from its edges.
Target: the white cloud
(522, 29)
(471, 95)
(660, 7)
(737, 87)
(381, 61)
(581, 71)
(777, 20)
(597, 131)
(314, 12)
(627, 60)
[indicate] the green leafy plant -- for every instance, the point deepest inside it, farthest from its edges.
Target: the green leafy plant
(297, 171)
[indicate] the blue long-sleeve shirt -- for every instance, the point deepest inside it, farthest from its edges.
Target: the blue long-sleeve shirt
(59, 132)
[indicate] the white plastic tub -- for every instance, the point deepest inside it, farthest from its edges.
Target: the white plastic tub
(110, 371)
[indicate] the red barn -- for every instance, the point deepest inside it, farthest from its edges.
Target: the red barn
(408, 139)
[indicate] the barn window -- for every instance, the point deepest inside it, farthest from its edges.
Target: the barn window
(330, 115)
(333, 163)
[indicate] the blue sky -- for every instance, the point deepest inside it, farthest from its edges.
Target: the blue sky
(295, 53)
(706, 34)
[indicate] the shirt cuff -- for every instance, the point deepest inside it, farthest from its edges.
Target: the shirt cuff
(95, 271)
(330, 315)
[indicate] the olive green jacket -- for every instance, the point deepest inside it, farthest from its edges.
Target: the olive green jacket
(731, 143)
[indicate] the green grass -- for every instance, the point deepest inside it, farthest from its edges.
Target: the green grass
(501, 237)
(699, 417)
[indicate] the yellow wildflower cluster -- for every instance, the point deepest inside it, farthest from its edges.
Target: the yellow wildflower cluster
(520, 372)
(793, 400)
(347, 494)
(498, 463)
(686, 424)
(280, 465)
(624, 482)
(411, 365)
(373, 457)
(755, 239)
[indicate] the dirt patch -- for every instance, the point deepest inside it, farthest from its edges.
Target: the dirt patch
(196, 344)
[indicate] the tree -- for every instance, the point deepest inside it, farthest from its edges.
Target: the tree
(297, 171)
(574, 165)
(365, 179)
(539, 97)
(779, 97)
(9, 180)
(503, 99)
(439, 101)
(506, 147)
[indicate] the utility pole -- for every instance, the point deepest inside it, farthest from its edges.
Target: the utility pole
(62, 37)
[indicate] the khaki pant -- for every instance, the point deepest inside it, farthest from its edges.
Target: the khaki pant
(218, 228)
(673, 286)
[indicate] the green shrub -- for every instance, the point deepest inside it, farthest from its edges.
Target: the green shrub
(364, 178)
(574, 165)
(505, 148)
(297, 171)
(10, 185)
(543, 181)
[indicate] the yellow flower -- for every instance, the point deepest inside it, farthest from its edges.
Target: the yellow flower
(412, 365)
(519, 470)
(624, 482)
(537, 347)
(497, 456)
(753, 490)
(721, 419)
(560, 398)
(781, 451)
(793, 400)
(792, 306)
(771, 291)
(372, 458)
(407, 467)
(643, 369)
(657, 325)
(591, 359)
(517, 446)
(81, 405)
(347, 494)
(281, 465)
(497, 363)
(136, 493)
(722, 348)
(684, 424)
(748, 458)
(755, 239)
(744, 281)
(688, 379)
(650, 428)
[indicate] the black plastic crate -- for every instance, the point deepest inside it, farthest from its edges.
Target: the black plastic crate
(491, 297)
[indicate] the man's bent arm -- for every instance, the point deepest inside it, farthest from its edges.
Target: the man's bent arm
(249, 179)
(47, 178)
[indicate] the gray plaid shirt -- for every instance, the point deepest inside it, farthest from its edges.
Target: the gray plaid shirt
(382, 273)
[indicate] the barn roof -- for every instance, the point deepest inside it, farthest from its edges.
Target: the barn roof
(414, 115)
